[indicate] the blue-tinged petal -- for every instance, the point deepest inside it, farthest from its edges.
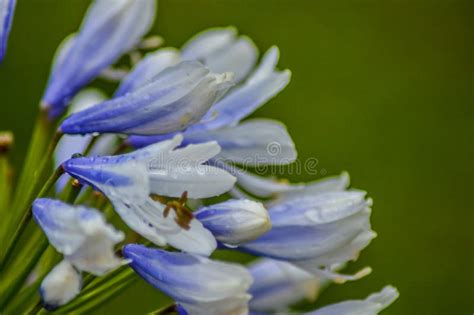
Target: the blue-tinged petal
(221, 50)
(158, 168)
(261, 86)
(208, 41)
(253, 142)
(177, 97)
(258, 185)
(61, 285)
(142, 141)
(147, 69)
(372, 305)
(324, 185)
(110, 28)
(235, 221)
(200, 285)
(278, 284)
(128, 180)
(81, 234)
(7, 9)
(345, 253)
(322, 230)
(320, 208)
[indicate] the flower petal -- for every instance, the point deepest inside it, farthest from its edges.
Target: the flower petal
(80, 234)
(372, 305)
(61, 285)
(327, 184)
(147, 69)
(182, 170)
(177, 97)
(108, 30)
(7, 9)
(253, 142)
(222, 51)
(235, 221)
(278, 284)
(262, 85)
(258, 185)
(200, 285)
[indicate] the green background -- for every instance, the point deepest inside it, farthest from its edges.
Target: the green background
(382, 89)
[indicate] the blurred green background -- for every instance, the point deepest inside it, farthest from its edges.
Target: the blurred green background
(382, 89)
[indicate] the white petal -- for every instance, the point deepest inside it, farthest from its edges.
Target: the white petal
(235, 221)
(253, 142)
(257, 185)
(60, 286)
(279, 284)
(221, 50)
(80, 234)
(262, 85)
(238, 57)
(174, 172)
(204, 43)
(146, 218)
(327, 184)
(147, 69)
(372, 305)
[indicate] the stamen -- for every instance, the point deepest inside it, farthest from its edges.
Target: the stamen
(183, 214)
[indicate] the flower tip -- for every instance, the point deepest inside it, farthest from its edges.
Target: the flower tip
(132, 251)
(6, 141)
(345, 178)
(384, 298)
(44, 105)
(42, 204)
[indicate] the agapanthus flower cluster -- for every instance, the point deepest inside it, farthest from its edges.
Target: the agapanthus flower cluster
(174, 133)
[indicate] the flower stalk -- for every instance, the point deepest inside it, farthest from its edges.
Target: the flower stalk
(27, 217)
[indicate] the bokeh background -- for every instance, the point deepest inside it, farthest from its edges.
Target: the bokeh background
(382, 89)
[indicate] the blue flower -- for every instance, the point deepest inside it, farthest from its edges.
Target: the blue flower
(81, 234)
(278, 284)
(322, 230)
(128, 181)
(235, 221)
(110, 28)
(7, 9)
(199, 285)
(175, 98)
(372, 305)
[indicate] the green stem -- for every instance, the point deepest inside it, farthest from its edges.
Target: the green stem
(74, 192)
(27, 217)
(39, 143)
(28, 296)
(91, 144)
(5, 187)
(29, 263)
